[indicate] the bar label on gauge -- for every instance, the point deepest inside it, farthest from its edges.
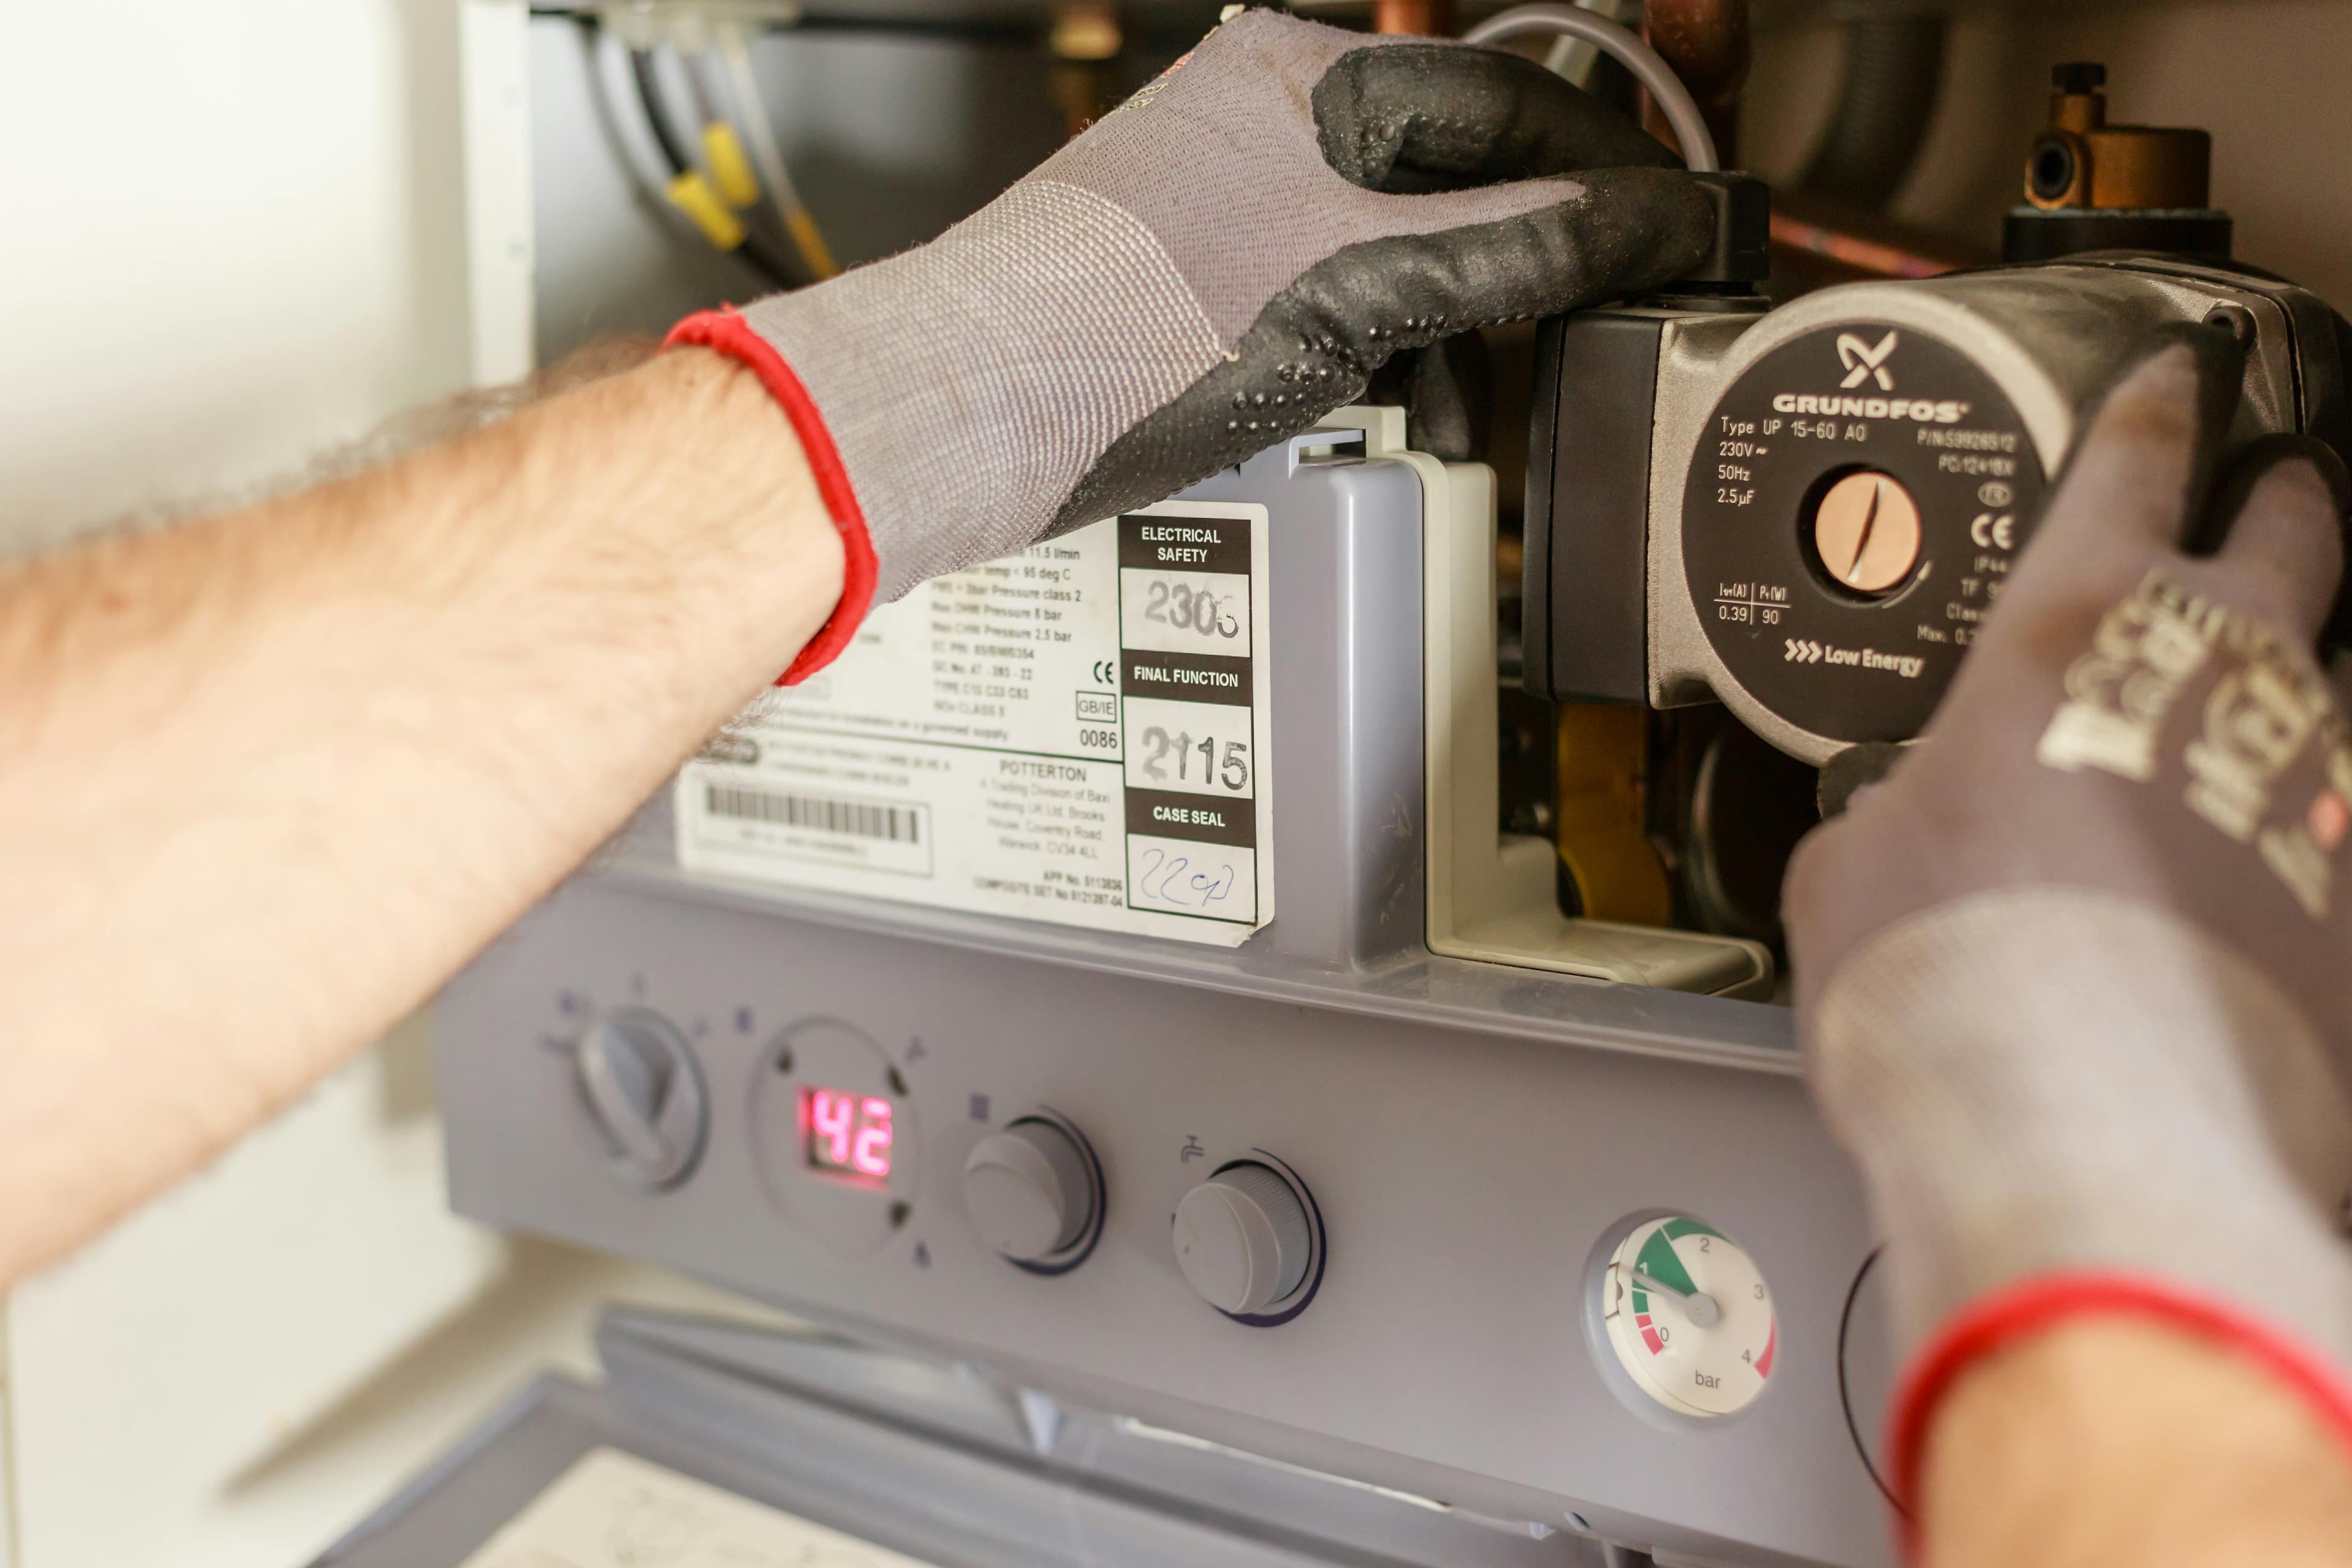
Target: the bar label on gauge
(1078, 733)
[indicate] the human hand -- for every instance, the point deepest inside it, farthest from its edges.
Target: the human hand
(2075, 979)
(1214, 266)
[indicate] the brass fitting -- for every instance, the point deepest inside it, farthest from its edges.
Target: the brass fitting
(1602, 784)
(2079, 160)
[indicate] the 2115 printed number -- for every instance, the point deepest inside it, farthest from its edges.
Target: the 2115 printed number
(1230, 770)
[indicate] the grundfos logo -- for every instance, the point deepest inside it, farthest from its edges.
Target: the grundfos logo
(1863, 362)
(1866, 361)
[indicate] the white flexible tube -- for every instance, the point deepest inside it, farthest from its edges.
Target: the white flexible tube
(1648, 69)
(1573, 58)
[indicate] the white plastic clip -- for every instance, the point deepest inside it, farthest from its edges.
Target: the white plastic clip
(1322, 443)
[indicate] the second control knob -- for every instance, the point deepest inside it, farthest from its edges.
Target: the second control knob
(1033, 1190)
(1249, 1241)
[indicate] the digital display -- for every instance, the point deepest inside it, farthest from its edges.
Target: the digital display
(847, 1136)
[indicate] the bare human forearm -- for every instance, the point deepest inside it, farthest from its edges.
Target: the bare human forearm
(267, 779)
(2111, 1441)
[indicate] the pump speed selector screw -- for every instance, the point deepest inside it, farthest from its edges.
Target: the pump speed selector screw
(2234, 320)
(1244, 1239)
(1030, 1190)
(1866, 531)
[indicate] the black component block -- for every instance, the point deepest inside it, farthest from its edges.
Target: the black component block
(1586, 610)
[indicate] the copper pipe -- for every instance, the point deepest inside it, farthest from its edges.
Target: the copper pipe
(1422, 18)
(1817, 240)
(1707, 42)
(1875, 258)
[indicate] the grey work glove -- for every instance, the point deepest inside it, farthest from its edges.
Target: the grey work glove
(1216, 264)
(2075, 979)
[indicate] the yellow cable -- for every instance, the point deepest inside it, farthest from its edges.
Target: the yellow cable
(810, 243)
(693, 196)
(807, 238)
(729, 167)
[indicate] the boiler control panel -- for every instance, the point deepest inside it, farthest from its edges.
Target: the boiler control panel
(1591, 1288)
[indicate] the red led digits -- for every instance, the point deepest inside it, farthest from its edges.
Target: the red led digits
(872, 1152)
(830, 1114)
(848, 1136)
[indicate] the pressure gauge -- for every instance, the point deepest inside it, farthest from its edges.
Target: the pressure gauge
(1689, 1316)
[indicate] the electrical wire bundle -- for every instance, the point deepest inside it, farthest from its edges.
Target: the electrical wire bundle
(720, 194)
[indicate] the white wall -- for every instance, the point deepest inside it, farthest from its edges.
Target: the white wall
(160, 1369)
(234, 233)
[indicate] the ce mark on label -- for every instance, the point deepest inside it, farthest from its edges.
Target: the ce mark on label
(1990, 532)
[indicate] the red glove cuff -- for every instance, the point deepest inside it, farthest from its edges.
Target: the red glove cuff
(2003, 1319)
(725, 331)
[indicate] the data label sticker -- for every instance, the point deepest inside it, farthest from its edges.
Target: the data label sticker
(1076, 733)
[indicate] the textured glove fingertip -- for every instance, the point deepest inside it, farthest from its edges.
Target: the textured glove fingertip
(1476, 115)
(726, 333)
(1657, 222)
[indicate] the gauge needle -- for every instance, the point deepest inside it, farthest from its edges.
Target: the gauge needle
(1699, 1307)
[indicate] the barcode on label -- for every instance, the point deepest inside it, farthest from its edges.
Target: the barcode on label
(826, 814)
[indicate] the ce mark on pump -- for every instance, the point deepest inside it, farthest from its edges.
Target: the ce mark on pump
(1991, 532)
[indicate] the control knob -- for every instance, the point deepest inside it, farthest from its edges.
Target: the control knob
(1244, 1239)
(1033, 1191)
(644, 1095)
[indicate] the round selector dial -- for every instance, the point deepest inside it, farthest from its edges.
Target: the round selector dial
(1033, 1190)
(1866, 533)
(1850, 514)
(642, 1094)
(1248, 1240)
